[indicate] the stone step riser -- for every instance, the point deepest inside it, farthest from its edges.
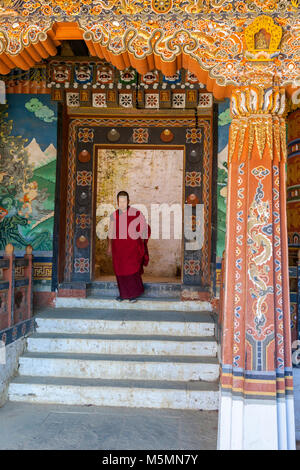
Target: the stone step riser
(114, 396)
(120, 370)
(116, 327)
(151, 289)
(113, 292)
(129, 347)
(167, 305)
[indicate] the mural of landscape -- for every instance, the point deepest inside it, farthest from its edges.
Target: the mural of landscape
(223, 133)
(27, 171)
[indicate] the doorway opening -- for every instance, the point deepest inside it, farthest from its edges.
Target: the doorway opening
(151, 176)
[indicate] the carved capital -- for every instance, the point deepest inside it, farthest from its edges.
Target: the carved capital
(258, 124)
(257, 99)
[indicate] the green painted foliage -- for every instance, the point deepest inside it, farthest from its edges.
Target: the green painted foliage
(24, 199)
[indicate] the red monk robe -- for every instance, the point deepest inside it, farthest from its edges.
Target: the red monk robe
(129, 234)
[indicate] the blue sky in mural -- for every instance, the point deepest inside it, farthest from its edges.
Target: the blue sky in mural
(31, 115)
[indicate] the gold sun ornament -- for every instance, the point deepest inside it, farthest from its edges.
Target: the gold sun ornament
(161, 6)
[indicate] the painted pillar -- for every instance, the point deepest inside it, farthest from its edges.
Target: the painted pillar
(293, 212)
(256, 400)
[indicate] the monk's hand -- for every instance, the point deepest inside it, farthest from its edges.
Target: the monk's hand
(108, 251)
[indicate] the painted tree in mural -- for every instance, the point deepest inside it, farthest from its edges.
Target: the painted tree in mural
(21, 200)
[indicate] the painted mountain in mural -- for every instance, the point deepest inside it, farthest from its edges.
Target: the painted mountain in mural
(44, 173)
(37, 157)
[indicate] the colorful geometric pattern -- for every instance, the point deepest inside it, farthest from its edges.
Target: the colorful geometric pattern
(192, 267)
(83, 220)
(140, 136)
(99, 100)
(193, 136)
(81, 265)
(193, 178)
(205, 100)
(152, 100)
(72, 99)
(85, 134)
(125, 100)
(84, 178)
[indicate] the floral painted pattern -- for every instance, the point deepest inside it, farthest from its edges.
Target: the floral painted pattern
(178, 100)
(84, 178)
(193, 136)
(152, 100)
(81, 265)
(193, 178)
(85, 134)
(83, 220)
(205, 100)
(140, 136)
(73, 100)
(99, 100)
(125, 100)
(192, 267)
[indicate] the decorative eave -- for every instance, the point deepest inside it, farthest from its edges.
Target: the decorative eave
(209, 38)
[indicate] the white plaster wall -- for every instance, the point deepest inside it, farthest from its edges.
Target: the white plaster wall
(10, 368)
(150, 176)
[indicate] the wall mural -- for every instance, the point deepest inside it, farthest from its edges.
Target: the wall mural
(223, 135)
(27, 171)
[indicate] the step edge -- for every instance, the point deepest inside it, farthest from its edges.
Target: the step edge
(115, 357)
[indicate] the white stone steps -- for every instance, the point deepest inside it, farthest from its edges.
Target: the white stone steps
(141, 304)
(131, 322)
(173, 368)
(130, 393)
(122, 344)
(121, 354)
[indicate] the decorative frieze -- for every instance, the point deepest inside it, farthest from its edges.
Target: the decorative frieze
(100, 85)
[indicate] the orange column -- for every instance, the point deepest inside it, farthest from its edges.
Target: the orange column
(256, 407)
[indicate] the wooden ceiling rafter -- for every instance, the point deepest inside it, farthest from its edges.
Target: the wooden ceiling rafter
(219, 48)
(35, 53)
(30, 55)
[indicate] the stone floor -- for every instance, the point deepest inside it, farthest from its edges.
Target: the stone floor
(27, 426)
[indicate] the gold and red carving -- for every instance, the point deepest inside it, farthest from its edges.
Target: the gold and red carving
(262, 39)
(258, 120)
(213, 40)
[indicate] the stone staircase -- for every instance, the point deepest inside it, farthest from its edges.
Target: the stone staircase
(153, 354)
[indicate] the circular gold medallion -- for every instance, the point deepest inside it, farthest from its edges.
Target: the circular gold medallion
(161, 6)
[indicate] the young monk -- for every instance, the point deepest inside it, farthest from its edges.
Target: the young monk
(128, 235)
